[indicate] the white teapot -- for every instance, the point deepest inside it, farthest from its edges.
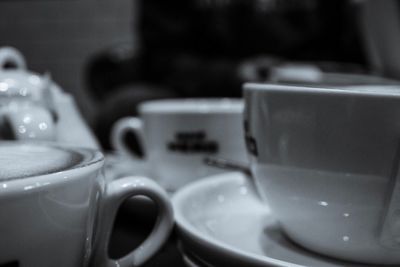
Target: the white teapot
(22, 115)
(33, 107)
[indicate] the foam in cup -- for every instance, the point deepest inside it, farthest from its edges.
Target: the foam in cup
(21, 161)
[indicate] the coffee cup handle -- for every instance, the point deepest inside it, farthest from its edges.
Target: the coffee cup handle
(116, 193)
(121, 128)
(30, 123)
(12, 56)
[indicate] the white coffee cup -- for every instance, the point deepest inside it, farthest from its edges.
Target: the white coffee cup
(57, 209)
(327, 161)
(178, 134)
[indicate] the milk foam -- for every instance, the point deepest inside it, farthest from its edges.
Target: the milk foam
(20, 161)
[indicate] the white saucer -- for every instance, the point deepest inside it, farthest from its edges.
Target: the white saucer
(222, 221)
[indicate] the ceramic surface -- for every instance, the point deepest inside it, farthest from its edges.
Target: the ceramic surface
(71, 127)
(22, 95)
(327, 162)
(26, 121)
(32, 106)
(67, 204)
(176, 135)
(222, 221)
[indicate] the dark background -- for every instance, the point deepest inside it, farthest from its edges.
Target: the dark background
(197, 48)
(112, 55)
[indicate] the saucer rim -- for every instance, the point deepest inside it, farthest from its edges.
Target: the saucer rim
(212, 243)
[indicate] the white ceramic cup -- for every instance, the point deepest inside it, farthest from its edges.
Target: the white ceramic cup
(21, 100)
(178, 134)
(57, 209)
(327, 161)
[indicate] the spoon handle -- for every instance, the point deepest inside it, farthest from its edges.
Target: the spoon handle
(228, 165)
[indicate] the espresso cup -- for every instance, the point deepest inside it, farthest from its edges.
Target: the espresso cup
(176, 136)
(327, 161)
(57, 209)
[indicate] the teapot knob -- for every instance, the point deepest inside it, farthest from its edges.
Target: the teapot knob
(10, 55)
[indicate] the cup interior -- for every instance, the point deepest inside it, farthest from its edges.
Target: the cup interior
(366, 90)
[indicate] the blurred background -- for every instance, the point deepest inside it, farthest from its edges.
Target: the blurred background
(112, 55)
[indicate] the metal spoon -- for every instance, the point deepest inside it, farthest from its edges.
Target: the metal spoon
(227, 165)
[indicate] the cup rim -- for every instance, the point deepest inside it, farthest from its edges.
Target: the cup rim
(91, 160)
(390, 91)
(192, 106)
